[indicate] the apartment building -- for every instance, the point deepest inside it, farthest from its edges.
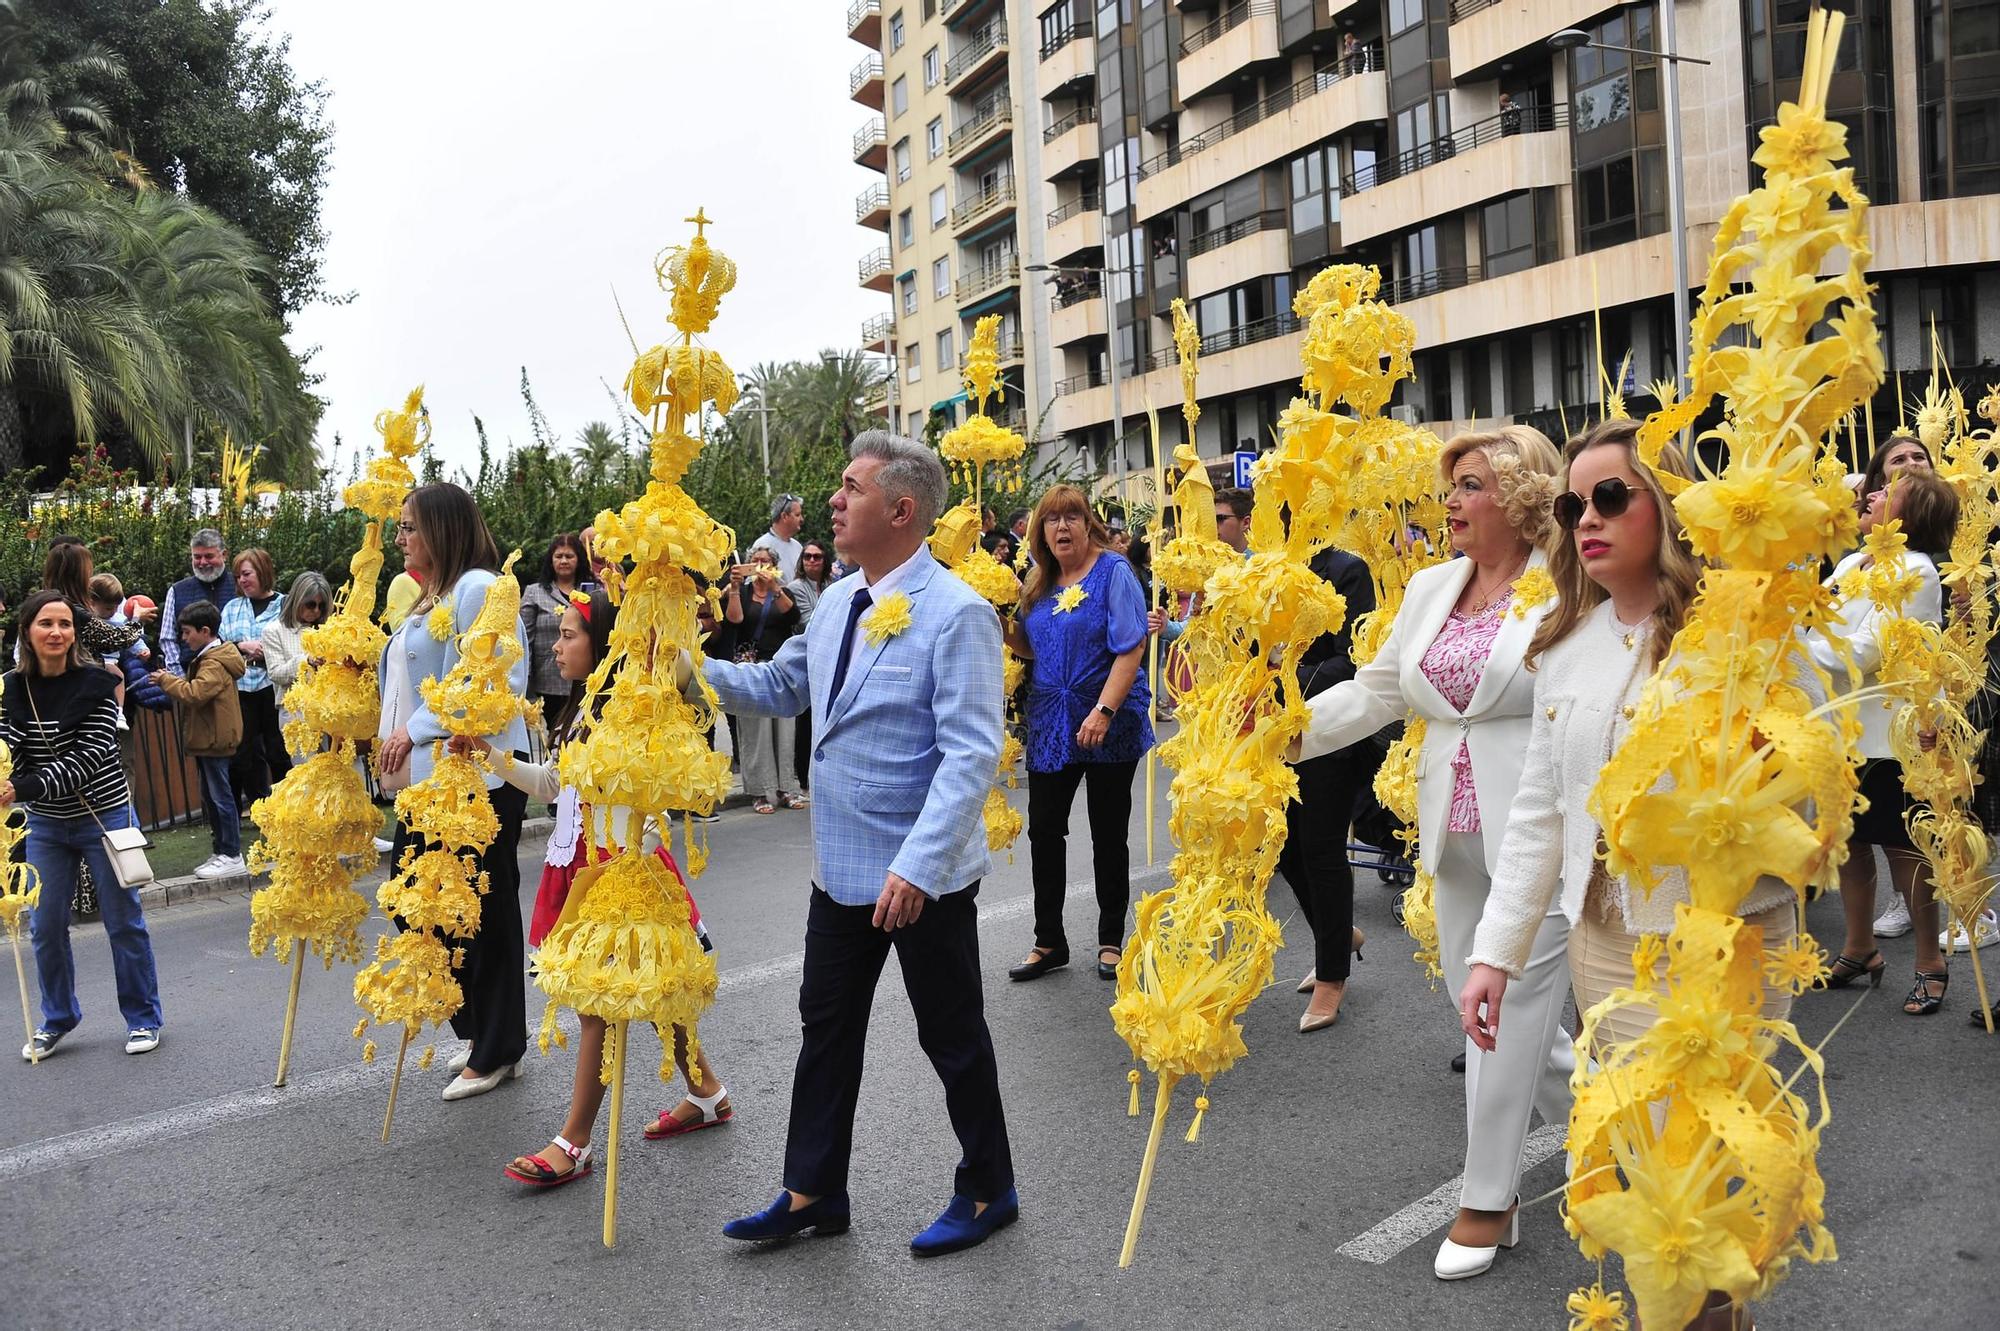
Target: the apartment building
(957, 202)
(1513, 192)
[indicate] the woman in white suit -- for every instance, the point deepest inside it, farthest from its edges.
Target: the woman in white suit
(1453, 658)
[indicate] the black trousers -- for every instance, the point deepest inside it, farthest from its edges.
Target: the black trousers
(261, 761)
(1314, 860)
(802, 751)
(1108, 798)
(494, 1016)
(939, 955)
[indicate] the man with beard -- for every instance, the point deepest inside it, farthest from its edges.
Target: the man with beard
(210, 582)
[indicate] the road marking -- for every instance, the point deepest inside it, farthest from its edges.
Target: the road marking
(1426, 1214)
(39, 1157)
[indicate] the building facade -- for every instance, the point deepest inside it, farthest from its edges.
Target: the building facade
(1513, 193)
(955, 203)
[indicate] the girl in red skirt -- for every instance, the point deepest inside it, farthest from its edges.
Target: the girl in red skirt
(582, 641)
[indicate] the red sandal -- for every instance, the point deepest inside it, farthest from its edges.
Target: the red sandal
(669, 1126)
(546, 1177)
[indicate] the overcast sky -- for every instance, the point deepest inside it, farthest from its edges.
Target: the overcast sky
(499, 168)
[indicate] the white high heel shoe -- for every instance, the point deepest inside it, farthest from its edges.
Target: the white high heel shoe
(1455, 1261)
(464, 1088)
(459, 1060)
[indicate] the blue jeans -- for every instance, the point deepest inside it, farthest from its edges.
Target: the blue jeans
(55, 847)
(218, 801)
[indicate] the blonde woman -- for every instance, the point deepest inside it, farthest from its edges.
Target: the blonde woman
(1454, 658)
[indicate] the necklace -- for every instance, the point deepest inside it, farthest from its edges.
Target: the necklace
(1630, 631)
(1480, 604)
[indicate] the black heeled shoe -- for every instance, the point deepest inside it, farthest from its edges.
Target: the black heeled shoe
(1922, 1002)
(1040, 962)
(1846, 970)
(1108, 970)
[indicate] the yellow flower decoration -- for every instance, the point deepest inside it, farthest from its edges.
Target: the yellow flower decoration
(21, 887)
(1533, 589)
(1069, 598)
(440, 623)
(887, 619)
(1592, 1308)
(1798, 966)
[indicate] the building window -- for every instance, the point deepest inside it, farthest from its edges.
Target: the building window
(933, 67)
(930, 10)
(899, 96)
(913, 362)
(908, 286)
(896, 31)
(940, 211)
(906, 229)
(944, 350)
(902, 160)
(1479, 381)
(1405, 14)
(1515, 233)
(941, 278)
(1309, 191)
(934, 139)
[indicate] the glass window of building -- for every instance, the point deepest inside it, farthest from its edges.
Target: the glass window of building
(940, 212)
(906, 228)
(896, 31)
(913, 362)
(941, 277)
(899, 96)
(944, 351)
(908, 287)
(933, 67)
(902, 160)
(934, 139)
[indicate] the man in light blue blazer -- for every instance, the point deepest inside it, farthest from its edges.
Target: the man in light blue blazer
(907, 723)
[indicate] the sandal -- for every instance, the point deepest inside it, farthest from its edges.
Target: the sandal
(540, 1174)
(796, 802)
(765, 806)
(711, 1117)
(1846, 970)
(1922, 1002)
(1979, 1014)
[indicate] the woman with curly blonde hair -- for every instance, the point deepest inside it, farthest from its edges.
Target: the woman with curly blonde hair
(1454, 659)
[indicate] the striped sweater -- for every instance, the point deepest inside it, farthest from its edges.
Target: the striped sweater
(64, 740)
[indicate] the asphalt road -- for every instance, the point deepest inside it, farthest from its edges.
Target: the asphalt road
(177, 1190)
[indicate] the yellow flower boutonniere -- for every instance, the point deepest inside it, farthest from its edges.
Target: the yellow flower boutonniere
(1069, 598)
(1531, 589)
(886, 620)
(439, 621)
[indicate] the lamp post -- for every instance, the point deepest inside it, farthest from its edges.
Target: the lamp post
(1572, 38)
(1103, 276)
(763, 410)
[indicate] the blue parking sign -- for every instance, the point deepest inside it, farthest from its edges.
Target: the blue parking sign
(1244, 459)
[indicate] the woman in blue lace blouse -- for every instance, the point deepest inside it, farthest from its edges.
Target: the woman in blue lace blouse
(1082, 625)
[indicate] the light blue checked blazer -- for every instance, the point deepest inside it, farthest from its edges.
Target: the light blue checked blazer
(428, 658)
(903, 758)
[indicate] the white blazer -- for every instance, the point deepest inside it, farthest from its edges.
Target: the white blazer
(1860, 626)
(1494, 726)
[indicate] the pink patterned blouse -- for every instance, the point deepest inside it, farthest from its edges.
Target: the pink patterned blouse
(1453, 664)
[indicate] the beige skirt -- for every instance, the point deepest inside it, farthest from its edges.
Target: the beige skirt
(1600, 960)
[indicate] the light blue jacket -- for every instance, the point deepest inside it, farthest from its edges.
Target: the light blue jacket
(429, 658)
(903, 758)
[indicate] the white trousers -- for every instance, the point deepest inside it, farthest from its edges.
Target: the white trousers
(1533, 1057)
(766, 759)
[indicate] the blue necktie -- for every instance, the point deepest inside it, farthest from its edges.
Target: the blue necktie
(855, 609)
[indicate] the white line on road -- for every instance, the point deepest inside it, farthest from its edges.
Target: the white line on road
(49, 1153)
(1425, 1214)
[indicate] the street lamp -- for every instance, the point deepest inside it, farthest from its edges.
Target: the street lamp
(1571, 38)
(1103, 275)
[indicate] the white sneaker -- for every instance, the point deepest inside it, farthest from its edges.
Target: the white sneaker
(1987, 933)
(140, 1040)
(1895, 921)
(383, 847)
(223, 866)
(204, 864)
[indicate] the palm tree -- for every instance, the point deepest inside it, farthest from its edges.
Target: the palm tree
(601, 456)
(824, 401)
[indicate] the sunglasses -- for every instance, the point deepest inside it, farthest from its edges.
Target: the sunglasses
(1610, 497)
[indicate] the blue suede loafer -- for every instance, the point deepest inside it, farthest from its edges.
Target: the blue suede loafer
(959, 1228)
(826, 1216)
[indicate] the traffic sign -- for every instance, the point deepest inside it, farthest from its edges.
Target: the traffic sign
(1244, 459)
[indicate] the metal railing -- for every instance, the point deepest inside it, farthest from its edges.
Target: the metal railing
(870, 200)
(1086, 203)
(1460, 8)
(1064, 38)
(980, 204)
(992, 115)
(1276, 104)
(869, 68)
(1082, 115)
(1273, 220)
(1010, 350)
(984, 43)
(1089, 379)
(874, 134)
(1413, 286)
(982, 280)
(1071, 289)
(1228, 20)
(874, 265)
(861, 9)
(1508, 123)
(877, 329)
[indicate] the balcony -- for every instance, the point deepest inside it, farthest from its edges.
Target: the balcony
(1415, 286)
(985, 208)
(864, 83)
(1073, 228)
(1485, 32)
(1520, 149)
(1243, 359)
(982, 282)
(864, 23)
(875, 270)
(1230, 255)
(1011, 353)
(1243, 35)
(979, 55)
(871, 145)
(871, 207)
(952, 10)
(1069, 145)
(989, 124)
(1283, 124)
(878, 333)
(1068, 59)
(1077, 310)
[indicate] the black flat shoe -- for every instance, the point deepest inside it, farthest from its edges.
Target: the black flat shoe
(1107, 970)
(1041, 961)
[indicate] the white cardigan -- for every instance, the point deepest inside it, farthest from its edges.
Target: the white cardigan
(1582, 686)
(1494, 726)
(1861, 624)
